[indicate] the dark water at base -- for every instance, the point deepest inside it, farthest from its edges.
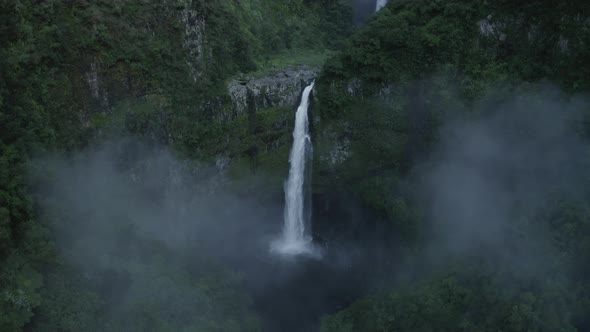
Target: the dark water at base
(293, 293)
(300, 290)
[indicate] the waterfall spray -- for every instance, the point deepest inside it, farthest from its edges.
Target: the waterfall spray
(296, 237)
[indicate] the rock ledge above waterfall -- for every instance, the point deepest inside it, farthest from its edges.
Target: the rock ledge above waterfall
(281, 87)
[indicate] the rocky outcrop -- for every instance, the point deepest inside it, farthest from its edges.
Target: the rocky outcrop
(95, 85)
(194, 39)
(498, 27)
(281, 88)
(488, 27)
(338, 149)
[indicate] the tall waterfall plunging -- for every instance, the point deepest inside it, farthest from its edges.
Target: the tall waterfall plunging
(296, 237)
(380, 4)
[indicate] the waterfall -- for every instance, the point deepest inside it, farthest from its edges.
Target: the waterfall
(380, 4)
(296, 238)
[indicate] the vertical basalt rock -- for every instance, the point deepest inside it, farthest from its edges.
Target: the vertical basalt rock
(251, 108)
(96, 86)
(280, 88)
(194, 39)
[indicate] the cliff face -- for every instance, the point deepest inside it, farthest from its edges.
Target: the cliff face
(160, 69)
(484, 42)
(78, 73)
(280, 88)
(193, 40)
(383, 97)
(130, 49)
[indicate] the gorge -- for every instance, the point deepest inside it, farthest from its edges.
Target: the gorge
(297, 166)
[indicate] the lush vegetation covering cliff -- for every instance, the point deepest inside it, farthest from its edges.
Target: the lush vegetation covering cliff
(73, 72)
(442, 105)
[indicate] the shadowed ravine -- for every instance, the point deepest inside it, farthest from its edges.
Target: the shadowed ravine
(291, 293)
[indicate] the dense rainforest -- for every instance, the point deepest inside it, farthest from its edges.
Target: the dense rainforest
(144, 147)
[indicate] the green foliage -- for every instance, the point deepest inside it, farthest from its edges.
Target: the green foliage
(451, 304)
(19, 295)
(410, 40)
(75, 71)
(288, 58)
(270, 26)
(262, 148)
(415, 62)
(407, 41)
(154, 296)
(413, 65)
(68, 304)
(382, 97)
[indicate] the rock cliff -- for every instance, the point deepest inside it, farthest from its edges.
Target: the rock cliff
(280, 88)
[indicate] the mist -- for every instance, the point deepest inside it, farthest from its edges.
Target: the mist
(362, 9)
(142, 227)
(495, 177)
(128, 184)
(150, 230)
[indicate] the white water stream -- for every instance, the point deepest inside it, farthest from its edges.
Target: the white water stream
(296, 237)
